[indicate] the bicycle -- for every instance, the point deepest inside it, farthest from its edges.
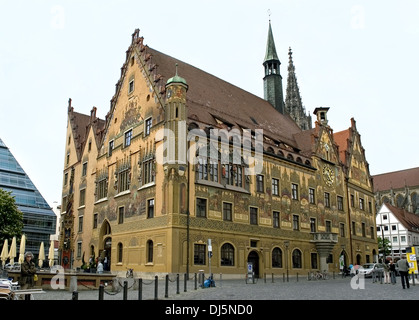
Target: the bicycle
(130, 273)
(322, 275)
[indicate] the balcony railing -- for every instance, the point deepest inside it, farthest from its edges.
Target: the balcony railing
(325, 237)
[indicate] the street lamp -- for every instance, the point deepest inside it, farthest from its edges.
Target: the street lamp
(286, 244)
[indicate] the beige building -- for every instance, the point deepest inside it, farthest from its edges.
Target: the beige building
(184, 157)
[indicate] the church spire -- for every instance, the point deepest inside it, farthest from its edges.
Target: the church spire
(272, 82)
(293, 103)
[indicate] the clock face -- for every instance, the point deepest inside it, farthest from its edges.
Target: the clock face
(328, 175)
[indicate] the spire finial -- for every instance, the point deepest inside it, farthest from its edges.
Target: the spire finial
(176, 67)
(269, 14)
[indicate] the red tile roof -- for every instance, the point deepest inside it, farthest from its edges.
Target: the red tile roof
(396, 179)
(409, 220)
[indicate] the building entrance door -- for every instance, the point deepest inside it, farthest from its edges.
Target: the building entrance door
(254, 259)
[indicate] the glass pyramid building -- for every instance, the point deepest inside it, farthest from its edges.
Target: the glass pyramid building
(39, 220)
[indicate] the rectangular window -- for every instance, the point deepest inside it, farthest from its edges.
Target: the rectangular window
(352, 200)
(131, 86)
(199, 254)
(259, 183)
(311, 196)
(95, 216)
(213, 171)
(81, 224)
(227, 211)
(294, 191)
(65, 178)
(150, 208)
(363, 229)
(275, 218)
(327, 199)
(148, 123)
(201, 207)
(275, 187)
(128, 137)
(342, 230)
(253, 215)
(340, 203)
(353, 228)
(372, 232)
(102, 189)
(148, 171)
(328, 226)
(123, 181)
(121, 215)
(110, 149)
(78, 249)
(361, 203)
(202, 169)
(295, 222)
(82, 199)
(313, 227)
(84, 169)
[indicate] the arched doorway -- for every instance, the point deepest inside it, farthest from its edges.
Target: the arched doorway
(358, 259)
(254, 259)
(105, 247)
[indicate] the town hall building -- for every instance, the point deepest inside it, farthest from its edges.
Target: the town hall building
(187, 167)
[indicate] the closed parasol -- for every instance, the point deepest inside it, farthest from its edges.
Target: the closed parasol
(22, 249)
(12, 251)
(51, 253)
(5, 252)
(41, 256)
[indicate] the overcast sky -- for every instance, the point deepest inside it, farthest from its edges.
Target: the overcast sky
(360, 58)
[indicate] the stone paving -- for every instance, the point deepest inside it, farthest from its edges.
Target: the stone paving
(228, 290)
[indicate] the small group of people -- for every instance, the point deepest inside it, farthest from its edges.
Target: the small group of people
(403, 269)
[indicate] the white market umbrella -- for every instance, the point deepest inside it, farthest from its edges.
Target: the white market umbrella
(51, 253)
(22, 249)
(12, 252)
(4, 252)
(41, 256)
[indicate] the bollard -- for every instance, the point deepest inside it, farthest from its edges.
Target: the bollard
(125, 293)
(273, 278)
(101, 291)
(283, 277)
(297, 276)
(166, 288)
(196, 282)
(156, 285)
(177, 283)
(185, 283)
(75, 295)
(140, 289)
(264, 276)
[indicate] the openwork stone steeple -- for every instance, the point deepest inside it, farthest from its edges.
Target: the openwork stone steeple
(293, 103)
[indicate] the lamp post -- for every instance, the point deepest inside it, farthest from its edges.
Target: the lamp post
(286, 244)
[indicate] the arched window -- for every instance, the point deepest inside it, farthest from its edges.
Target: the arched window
(149, 251)
(120, 250)
(296, 259)
(227, 255)
(276, 258)
(399, 201)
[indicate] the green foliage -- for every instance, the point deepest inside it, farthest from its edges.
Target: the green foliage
(384, 244)
(11, 219)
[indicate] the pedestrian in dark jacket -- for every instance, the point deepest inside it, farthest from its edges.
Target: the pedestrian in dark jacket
(27, 272)
(403, 266)
(392, 267)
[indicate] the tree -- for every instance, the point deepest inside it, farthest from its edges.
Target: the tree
(11, 219)
(384, 246)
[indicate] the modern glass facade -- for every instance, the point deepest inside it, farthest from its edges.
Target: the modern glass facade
(39, 220)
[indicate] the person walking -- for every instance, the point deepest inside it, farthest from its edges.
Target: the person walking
(392, 269)
(403, 266)
(386, 273)
(27, 272)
